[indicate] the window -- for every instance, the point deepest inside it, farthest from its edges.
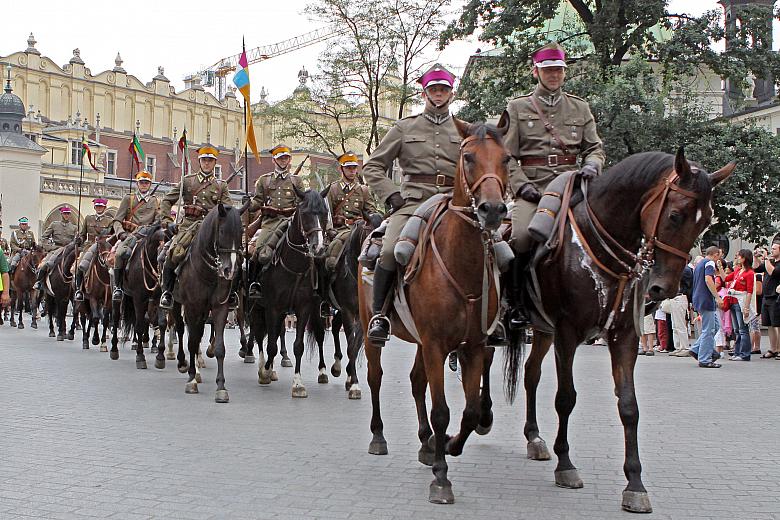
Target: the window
(218, 171)
(75, 152)
(32, 137)
(111, 162)
(151, 164)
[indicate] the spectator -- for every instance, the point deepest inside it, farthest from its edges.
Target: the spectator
(741, 284)
(660, 321)
(754, 327)
(648, 336)
(770, 311)
(705, 301)
(5, 282)
(677, 309)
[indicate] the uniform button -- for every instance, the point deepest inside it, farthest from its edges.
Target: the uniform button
(552, 115)
(437, 133)
(437, 157)
(438, 171)
(438, 145)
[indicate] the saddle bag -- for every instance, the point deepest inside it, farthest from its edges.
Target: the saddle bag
(372, 247)
(193, 211)
(503, 252)
(407, 241)
(542, 223)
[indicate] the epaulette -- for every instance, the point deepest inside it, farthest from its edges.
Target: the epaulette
(412, 116)
(575, 97)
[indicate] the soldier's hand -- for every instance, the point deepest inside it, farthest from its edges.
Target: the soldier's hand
(588, 172)
(331, 233)
(79, 241)
(529, 193)
(395, 201)
(375, 220)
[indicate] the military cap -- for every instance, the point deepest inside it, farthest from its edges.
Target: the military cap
(280, 150)
(143, 175)
(24, 220)
(348, 159)
(437, 75)
(550, 55)
(100, 202)
(208, 151)
(65, 210)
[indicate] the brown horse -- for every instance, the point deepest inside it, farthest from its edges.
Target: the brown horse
(22, 286)
(96, 307)
(628, 232)
(453, 298)
(59, 293)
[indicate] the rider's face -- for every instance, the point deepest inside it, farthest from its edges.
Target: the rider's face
(100, 209)
(24, 227)
(551, 77)
(349, 172)
(283, 162)
(207, 164)
(439, 95)
(143, 186)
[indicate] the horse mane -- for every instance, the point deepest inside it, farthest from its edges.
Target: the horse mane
(313, 202)
(483, 130)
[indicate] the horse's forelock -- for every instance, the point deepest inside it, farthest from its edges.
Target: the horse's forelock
(313, 203)
(485, 130)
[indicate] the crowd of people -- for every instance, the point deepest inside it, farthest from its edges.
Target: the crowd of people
(724, 304)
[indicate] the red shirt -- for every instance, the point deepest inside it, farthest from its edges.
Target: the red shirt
(743, 280)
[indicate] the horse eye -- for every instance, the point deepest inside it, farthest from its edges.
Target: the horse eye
(468, 157)
(505, 160)
(676, 218)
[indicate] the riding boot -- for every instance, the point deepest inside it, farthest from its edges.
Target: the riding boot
(42, 272)
(255, 288)
(379, 327)
(79, 294)
(232, 301)
(168, 281)
(518, 317)
(323, 289)
(118, 291)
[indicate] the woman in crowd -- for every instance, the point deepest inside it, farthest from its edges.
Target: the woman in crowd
(741, 284)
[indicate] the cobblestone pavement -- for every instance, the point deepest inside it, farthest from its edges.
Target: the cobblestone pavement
(82, 436)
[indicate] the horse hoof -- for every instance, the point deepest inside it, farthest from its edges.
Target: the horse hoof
(221, 396)
(322, 379)
(191, 388)
(441, 494)
(140, 364)
(114, 355)
(95, 341)
(378, 447)
(198, 379)
(286, 362)
(159, 364)
(274, 376)
(249, 359)
(483, 430)
(34, 325)
(133, 347)
(170, 356)
(335, 370)
(242, 352)
(299, 391)
(85, 346)
(103, 348)
(636, 502)
(51, 335)
(71, 336)
(568, 478)
(153, 349)
(201, 363)
(183, 369)
(20, 326)
(60, 337)
(425, 456)
(264, 379)
(355, 393)
(537, 450)
(210, 351)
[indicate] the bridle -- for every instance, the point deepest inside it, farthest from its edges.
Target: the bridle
(304, 247)
(213, 261)
(471, 190)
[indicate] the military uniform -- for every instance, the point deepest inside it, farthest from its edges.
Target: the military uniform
(427, 147)
(94, 227)
(56, 235)
(273, 190)
(348, 203)
(5, 247)
(21, 243)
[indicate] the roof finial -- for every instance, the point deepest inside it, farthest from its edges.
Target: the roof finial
(8, 88)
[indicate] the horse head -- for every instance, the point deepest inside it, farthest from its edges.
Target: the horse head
(482, 171)
(227, 241)
(673, 215)
(311, 216)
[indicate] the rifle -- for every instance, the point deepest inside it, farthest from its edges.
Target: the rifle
(298, 169)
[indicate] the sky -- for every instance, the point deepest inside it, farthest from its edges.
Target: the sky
(187, 37)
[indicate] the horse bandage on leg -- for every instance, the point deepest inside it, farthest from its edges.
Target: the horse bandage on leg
(407, 241)
(543, 221)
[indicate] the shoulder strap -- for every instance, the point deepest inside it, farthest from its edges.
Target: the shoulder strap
(549, 126)
(202, 187)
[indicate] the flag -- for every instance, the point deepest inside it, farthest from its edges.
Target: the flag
(86, 151)
(137, 152)
(241, 81)
(185, 153)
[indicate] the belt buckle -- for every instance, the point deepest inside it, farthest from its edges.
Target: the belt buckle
(552, 160)
(440, 180)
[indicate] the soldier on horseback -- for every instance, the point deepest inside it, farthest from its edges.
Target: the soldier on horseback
(427, 147)
(22, 240)
(550, 132)
(136, 210)
(58, 234)
(199, 192)
(276, 199)
(95, 226)
(4, 244)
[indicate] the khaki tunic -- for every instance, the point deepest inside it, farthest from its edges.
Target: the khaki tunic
(5, 247)
(58, 234)
(527, 137)
(424, 145)
(95, 226)
(346, 206)
(277, 192)
(199, 190)
(21, 240)
(135, 212)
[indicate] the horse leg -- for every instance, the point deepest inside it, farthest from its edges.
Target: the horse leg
(265, 369)
(95, 323)
(298, 388)
(283, 344)
(486, 403)
(106, 320)
(141, 326)
(178, 322)
(335, 327)
(34, 304)
(354, 343)
(322, 378)
(440, 491)
(219, 316)
(536, 448)
(20, 308)
(566, 475)
(419, 386)
(116, 317)
(623, 352)
(195, 326)
(472, 363)
(378, 445)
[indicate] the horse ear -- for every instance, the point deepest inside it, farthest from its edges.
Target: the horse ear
(681, 165)
(462, 126)
(222, 211)
(722, 174)
(503, 123)
(297, 190)
(324, 193)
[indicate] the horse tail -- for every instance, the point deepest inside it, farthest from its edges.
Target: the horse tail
(315, 332)
(128, 317)
(514, 354)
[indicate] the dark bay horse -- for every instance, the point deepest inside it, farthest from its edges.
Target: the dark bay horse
(58, 289)
(141, 292)
(453, 299)
(628, 232)
(96, 307)
(204, 286)
(289, 285)
(22, 286)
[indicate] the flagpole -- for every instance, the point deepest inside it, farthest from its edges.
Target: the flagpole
(246, 188)
(81, 180)
(184, 161)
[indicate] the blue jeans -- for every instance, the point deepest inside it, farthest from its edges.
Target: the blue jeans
(742, 344)
(705, 345)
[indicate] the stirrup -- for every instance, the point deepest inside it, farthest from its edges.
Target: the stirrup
(117, 295)
(255, 292)
(498, 338)
(78, 296)
(38, 286)
(325, 311)
(232, 301)
(166, 300)
(379, 321)
(518, 319)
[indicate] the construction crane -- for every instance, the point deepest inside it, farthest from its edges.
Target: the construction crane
(216, 75)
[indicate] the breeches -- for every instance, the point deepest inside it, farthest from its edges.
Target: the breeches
(335, 247)
(268, 237)
(522, 214)
(181, 242)
(395, 225)
(85, 260)
(125, 247)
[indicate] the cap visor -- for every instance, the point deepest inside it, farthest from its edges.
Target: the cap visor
(551, 63)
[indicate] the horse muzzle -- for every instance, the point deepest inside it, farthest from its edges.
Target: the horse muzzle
(491, 214)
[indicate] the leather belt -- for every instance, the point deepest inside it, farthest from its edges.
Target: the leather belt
(436, 180)
(193, 211)
(549, 160)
